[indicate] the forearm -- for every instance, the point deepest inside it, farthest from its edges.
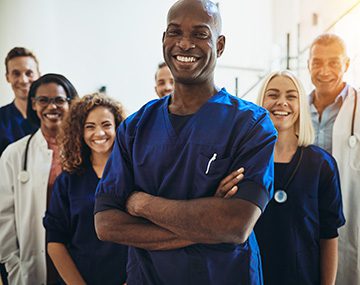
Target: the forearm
(204, 220)
(120, 227)
(328, 260)
(64, 264)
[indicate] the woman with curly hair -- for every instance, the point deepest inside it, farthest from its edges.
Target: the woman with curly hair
(86, 142)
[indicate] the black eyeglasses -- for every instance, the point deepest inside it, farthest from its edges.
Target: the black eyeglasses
(44, 101)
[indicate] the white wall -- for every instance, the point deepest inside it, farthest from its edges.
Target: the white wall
(247, 25)
(117, 43)
(296, 17)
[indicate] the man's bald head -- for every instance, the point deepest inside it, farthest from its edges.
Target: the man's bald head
(208, 6)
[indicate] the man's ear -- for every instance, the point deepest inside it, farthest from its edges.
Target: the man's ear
(220, 45)
(347, 63)
(7, 77)
(163, 37)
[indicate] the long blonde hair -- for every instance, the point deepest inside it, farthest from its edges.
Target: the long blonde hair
(303, 126)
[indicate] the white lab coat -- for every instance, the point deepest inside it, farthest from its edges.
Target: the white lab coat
(348, 160)
(22, 207)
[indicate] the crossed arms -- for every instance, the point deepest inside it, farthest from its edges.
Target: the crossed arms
(156, 223)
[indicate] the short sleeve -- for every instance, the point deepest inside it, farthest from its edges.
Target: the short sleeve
(57, 221)
(330, 200)
(255, 154)
(117, 181)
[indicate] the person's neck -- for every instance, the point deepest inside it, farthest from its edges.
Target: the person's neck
(98, 162)
(21, 105)
(285, 146)
(49, 134)
(324, 99)
(187, 99)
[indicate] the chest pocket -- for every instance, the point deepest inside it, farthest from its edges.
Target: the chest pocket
(210, 170)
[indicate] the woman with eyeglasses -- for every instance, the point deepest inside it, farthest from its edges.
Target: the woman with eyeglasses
(28, 170)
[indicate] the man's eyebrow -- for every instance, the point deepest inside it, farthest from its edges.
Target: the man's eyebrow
(173, 24)
(196, 26)
(202, 27)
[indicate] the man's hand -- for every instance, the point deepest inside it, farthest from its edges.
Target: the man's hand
(228, 186)
(136, 201)
(226, 189)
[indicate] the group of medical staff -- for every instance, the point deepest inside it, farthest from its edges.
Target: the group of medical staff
(54, 148)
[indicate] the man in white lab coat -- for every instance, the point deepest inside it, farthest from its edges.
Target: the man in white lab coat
(335, 112)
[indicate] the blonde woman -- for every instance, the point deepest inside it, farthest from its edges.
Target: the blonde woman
(297, 234)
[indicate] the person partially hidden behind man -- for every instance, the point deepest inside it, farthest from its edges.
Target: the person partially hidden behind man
(158, 191)
(22, 68)
(164, 81)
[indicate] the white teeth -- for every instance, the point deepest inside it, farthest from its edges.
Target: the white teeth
(100, 141)
(185, 58)
(280, 113)
(52, 116)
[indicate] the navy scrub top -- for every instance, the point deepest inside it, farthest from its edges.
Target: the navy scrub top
(150, 156)
(13, 126)
(289, 233)
(70, 220)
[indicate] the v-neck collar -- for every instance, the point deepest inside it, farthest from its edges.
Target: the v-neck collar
(186, 128)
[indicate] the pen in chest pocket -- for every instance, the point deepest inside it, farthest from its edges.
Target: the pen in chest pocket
(211, 160)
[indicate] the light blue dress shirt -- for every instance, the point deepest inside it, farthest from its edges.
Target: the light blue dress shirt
(323, 126)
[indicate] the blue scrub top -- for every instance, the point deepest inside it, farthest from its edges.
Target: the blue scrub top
(69, 220)
(13, 126)
(150, 156)
(289, 234)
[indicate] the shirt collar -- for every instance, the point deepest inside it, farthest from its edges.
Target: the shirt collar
(341, 95)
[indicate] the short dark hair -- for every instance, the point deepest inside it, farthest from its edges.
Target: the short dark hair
(59, 79)
(160, 65)
(18, 52)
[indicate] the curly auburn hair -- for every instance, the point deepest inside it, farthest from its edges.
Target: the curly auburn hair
(75, 153)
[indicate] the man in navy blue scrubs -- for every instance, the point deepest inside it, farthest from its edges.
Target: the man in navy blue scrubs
(22, 68)
(157, 191)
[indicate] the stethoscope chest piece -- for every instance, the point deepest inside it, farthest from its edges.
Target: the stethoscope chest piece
(280, 196)
(24, 176)
(352, 141)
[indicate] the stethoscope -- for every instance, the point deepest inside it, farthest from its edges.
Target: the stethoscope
(24, 174)
(352, 138)
(280, 195)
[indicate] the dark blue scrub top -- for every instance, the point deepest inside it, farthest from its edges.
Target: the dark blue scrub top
(289, 234)
(70, 220)
(13, 126)
(150, 156)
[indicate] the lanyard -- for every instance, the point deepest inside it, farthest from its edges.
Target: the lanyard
(280, 195)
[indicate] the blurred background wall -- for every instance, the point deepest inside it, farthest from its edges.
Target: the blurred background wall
(117, 43)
